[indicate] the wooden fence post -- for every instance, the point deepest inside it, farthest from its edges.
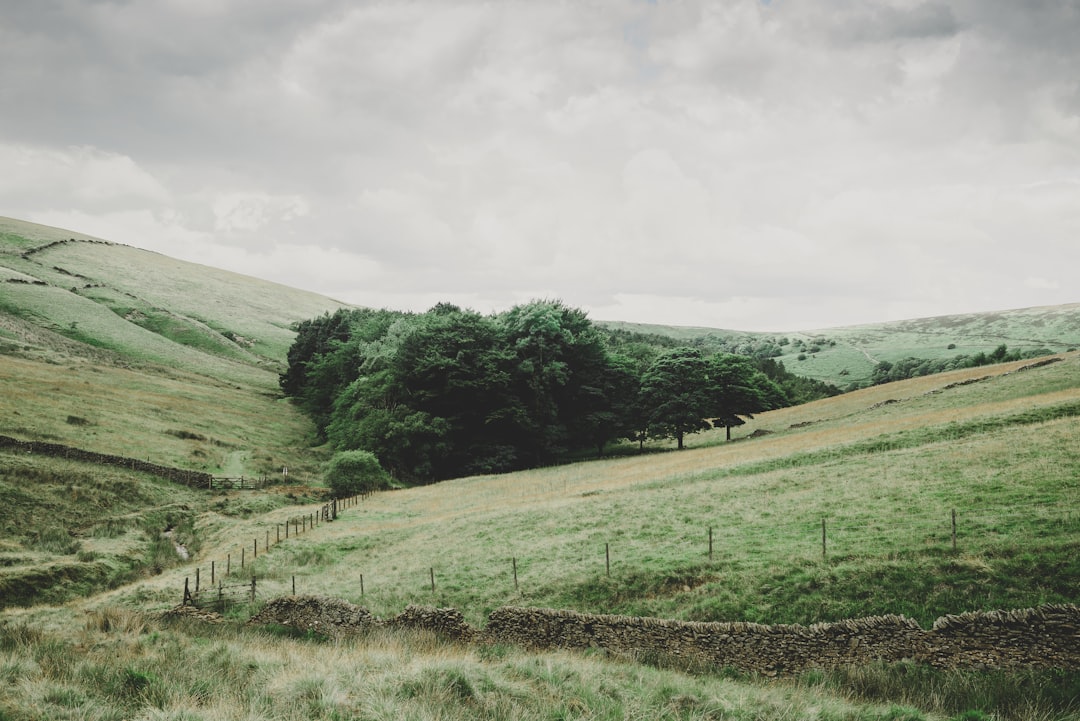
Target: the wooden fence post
(278, 533)
(294, 585)
(954, 529)
(196, 580)
(256, 554)
(433, 579)
(212, 573)
(710, 543)
(607, 557)
(187, 593)
(253, 589)
(228, 564)
(515, 573)
(267, 538)
(823, 538)
(242, 558)
(361, 584)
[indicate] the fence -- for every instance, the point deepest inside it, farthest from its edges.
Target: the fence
(217, 592)
(240, 483)
(221, 596)
(723, 547)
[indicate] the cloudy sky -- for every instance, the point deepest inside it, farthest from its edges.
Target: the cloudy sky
(744, 164)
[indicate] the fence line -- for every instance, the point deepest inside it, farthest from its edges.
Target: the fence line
(951, 530)
(300, 524)
(954, 531)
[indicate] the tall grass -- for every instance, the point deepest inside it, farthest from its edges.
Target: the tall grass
(121, 666)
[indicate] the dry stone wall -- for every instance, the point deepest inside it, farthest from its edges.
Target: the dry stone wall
(1047, 637)
(335, 617)
(747, 646)
(196, 479)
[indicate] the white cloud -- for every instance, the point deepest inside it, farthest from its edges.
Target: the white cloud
(251, 211)
(93, 179)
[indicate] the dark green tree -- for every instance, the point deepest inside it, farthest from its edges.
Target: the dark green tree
(738, 389)
(559, 361)
(675, 397)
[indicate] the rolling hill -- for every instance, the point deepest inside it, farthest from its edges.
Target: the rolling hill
(937, 495)
(846, 356)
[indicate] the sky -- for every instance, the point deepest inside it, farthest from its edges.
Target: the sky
(752, 165)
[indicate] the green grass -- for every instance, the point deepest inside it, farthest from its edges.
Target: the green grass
(120, 664)
(179, 672)
(194, 386)
(887, 499)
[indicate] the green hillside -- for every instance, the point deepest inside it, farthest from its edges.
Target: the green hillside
(835, 509)
(846, 356)
(145, 306)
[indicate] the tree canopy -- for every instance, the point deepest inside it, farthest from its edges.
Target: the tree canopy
(451, 392)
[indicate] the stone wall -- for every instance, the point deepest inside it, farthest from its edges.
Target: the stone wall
(335, 617)
(747, 646)
(1048, 636)
(196, 479)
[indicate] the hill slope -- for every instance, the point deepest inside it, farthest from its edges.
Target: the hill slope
(839, 508)
(128, 352)
(846, 356)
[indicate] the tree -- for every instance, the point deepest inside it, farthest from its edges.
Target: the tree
(675, 396)
(351, 472)
(738, 388)
(559, 361)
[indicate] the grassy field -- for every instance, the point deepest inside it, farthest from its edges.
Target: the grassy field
(884, 476)
(176, 364)
(885, 467)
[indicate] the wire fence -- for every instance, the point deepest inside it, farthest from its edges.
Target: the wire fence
(208, 586)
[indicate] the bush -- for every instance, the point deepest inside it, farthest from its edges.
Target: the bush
(352, 472)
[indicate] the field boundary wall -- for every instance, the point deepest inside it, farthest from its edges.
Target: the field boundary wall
(195, 479)
(1043, 637)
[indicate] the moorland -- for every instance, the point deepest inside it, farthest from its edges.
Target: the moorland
(112, 349)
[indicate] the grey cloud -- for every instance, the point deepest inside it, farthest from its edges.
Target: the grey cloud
(707, 153)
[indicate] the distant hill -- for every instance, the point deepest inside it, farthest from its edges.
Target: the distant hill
(846, 356)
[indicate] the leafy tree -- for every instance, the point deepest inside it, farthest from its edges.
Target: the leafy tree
(313, 339)
(352, 472)
(675, 395)
(738, 388)
(455, 367)
(613, 413)
(559, 358)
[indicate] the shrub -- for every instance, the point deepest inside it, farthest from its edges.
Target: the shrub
(351, 472)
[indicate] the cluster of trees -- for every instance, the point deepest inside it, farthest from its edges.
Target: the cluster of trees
(451, 392)
(910, 367)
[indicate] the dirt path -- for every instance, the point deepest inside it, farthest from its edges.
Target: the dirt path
(235, 464)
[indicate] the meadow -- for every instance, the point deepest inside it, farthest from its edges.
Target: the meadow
(884, 467)
(835, 509)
